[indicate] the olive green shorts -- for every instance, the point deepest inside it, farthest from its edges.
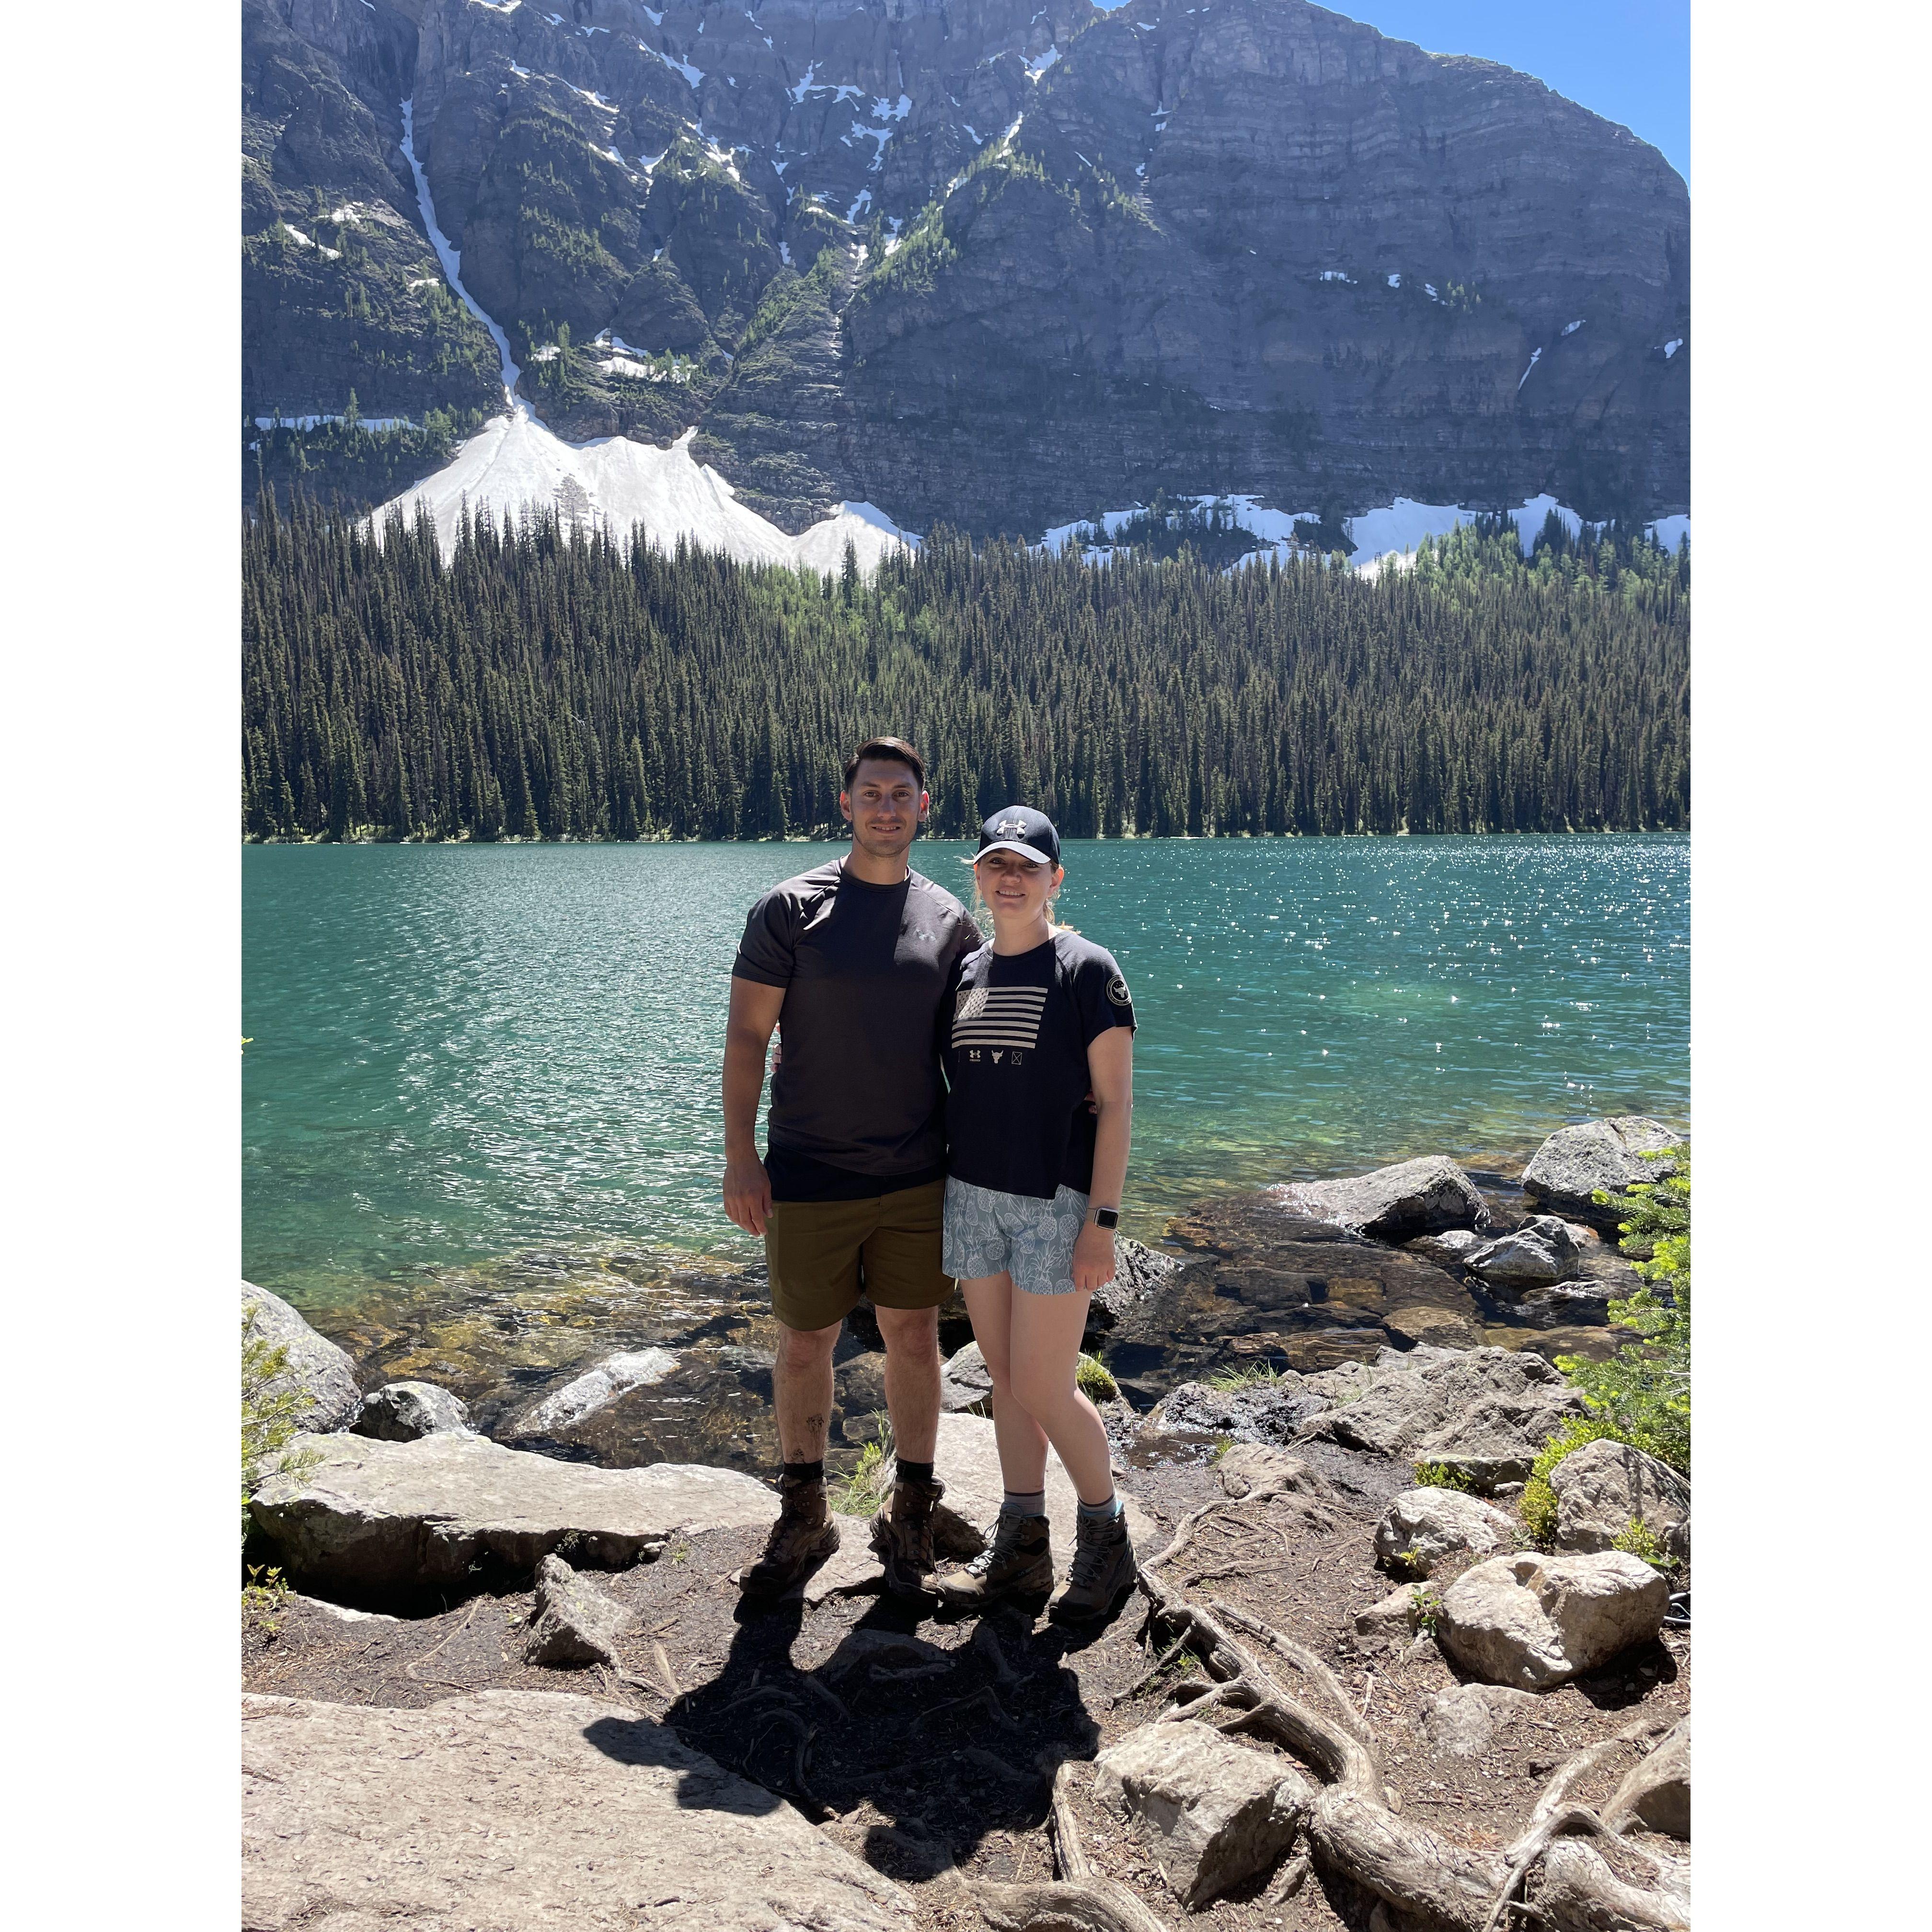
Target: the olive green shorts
(822, 1255)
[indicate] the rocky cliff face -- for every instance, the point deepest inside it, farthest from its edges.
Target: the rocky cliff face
(995, 263)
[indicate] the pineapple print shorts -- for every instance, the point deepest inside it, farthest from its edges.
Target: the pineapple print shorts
(989, 1233)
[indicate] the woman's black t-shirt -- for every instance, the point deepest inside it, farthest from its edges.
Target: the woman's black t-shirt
(1013, 1034)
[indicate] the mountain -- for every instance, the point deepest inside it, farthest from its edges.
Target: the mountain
(983, 262)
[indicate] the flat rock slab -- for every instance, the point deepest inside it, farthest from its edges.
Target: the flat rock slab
(1405, 1400)
(402, 1515)
(317, 1372)
(515, 1809)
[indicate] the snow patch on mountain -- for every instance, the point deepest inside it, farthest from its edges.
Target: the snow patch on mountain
(1391, 533)
(514, 466)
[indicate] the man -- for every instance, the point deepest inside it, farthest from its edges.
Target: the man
(849, 961)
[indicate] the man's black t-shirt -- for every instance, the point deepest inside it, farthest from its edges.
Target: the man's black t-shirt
(857, 1107)
(1014, 1035)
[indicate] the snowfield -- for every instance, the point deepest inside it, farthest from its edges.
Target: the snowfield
(514, 464)
(1392, 532)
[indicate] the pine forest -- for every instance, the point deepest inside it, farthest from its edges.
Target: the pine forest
(542, 683)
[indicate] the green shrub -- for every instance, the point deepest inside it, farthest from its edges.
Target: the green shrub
(1428, 1610)
(1644, 1389)
(1442, 1476)
(1405, 1566)
(268, 1414)
(1539, 1499)
(1638, 1539)
(866, 1489)
(1090, 1376)
(264, 1596)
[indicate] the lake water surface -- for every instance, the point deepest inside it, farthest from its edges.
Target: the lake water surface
(459, 1051)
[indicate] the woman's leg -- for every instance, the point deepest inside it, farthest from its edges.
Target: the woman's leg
(1022, 1444)
(1043, 1342)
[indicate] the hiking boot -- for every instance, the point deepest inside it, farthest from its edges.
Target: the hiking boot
(902, 1536)
(801, 1538)
(1104, 1570)
(1018, 1562)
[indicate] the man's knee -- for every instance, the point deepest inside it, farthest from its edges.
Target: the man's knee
(911, 1332)
(803, 1349)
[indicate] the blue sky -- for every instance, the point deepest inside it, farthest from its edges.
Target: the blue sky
(1627, 60)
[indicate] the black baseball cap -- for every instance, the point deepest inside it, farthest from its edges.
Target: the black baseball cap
(1018, 828)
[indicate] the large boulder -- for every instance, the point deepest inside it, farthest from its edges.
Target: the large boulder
(1532, 1622)
(1220, 1812)
(1602, 1486)
(1575, 1162)
(1390, 1405)
(1657, 1792)
(1415, 1197)
(317, 1371)
(1265, 1411)
(1463, 1720)
(406, 1411)
(520, 1808)
(396, 1516)
(1497, 1439)
(584, 1395)
(1539, 1254)
(572, 1622)
(1421, 1527)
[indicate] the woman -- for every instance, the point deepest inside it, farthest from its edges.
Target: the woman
(1037, 1039)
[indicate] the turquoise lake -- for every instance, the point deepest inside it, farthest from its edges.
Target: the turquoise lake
(461, 1052)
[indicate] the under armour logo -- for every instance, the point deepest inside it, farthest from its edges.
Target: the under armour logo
(1011, 828)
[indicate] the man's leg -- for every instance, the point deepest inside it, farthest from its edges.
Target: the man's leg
(811, 1252)
(801, 1391)
(912, 1379)
(907, 1285)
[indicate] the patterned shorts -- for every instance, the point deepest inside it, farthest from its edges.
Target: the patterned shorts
(989, 1233)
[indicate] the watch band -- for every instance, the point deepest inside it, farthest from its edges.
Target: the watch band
(1106, 1217)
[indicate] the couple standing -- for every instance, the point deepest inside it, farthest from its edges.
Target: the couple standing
(943, 1107)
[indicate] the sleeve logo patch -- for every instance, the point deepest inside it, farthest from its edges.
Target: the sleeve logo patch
(1117, 991)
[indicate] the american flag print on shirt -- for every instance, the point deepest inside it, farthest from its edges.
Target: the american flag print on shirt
(999, 1017)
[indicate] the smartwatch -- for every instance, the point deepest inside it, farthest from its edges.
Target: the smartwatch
(1106, 1217)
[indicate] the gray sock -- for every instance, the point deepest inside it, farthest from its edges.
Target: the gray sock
(1023, 1502)
(1104, 1512)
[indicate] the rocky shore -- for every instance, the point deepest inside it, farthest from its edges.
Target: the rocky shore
(500, 1675)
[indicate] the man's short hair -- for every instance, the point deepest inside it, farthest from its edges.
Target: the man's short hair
(886, 751)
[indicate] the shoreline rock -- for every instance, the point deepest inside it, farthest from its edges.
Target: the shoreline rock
(1391, 1203)
(317, 1370)
(382, 1516)
(1609, 1153)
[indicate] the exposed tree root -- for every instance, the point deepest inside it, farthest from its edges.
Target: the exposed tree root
(1082, 1901)
(1353, 1832)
